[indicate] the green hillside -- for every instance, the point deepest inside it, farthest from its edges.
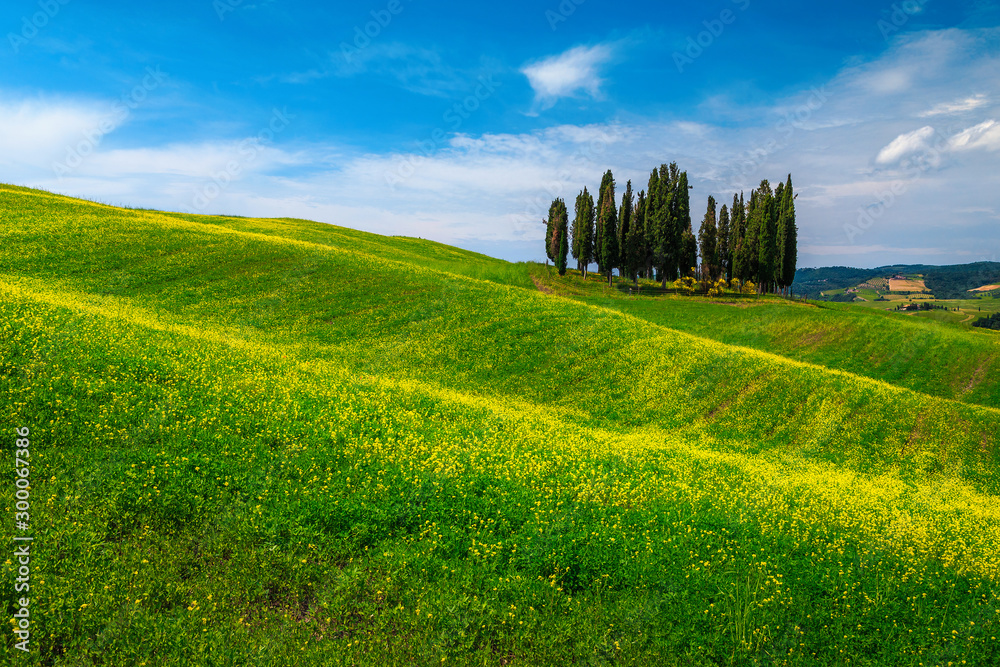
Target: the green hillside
(951, 362)
(280, 442)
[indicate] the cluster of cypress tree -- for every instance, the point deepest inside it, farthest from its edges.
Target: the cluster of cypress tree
(758, 241)
(639, 236)
(651, 235)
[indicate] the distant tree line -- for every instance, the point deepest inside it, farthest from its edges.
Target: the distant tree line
(945, 282)
(923, 305)
(989, 322)
(651, 236)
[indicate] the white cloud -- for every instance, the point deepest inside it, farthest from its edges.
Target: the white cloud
(567, 74)
(906, 144)
(889, 81)
(39, 132)
(958, 106)
(918, 142)
(984, 135)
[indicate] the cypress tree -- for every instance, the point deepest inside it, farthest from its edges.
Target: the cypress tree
(751, 239)
(583, 231)
(609, 246)
(776, 214)
(682, 226)
(723, 252)
(738, 223)
(737, 235)
(666, 224)
(662, 213)
(625, 224)
(767, 235)
(649, 221)
(550, 252)
(689, 252)
(655, 224)
(561, 226)
(790, 258)
(743, 236)
(604, 193)
(574, 245)
(636, 240)
(708, 237)
(625, 216)
(787, 236)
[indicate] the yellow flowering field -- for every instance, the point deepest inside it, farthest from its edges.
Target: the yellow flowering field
(276, 443)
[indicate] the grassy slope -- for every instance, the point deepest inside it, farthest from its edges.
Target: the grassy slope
(489, 453)
(956, 363)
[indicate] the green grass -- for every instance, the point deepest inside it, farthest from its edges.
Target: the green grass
(278, 442)
(959, 363)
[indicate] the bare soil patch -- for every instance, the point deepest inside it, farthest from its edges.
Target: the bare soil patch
(541, 288)
(911, 285)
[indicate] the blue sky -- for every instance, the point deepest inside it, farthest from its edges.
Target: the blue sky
(461, 121)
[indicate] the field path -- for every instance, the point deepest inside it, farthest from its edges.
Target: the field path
(540, 286)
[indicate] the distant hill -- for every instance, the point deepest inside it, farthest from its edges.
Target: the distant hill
(945, 282)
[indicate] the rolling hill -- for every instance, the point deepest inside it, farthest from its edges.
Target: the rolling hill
(945, 282)
(281, 442)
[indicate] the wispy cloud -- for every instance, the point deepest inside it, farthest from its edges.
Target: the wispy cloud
(419, 70)
(906, 144)
(568, 74)
(958, 106)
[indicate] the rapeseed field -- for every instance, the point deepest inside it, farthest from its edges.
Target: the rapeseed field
(274, 442)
